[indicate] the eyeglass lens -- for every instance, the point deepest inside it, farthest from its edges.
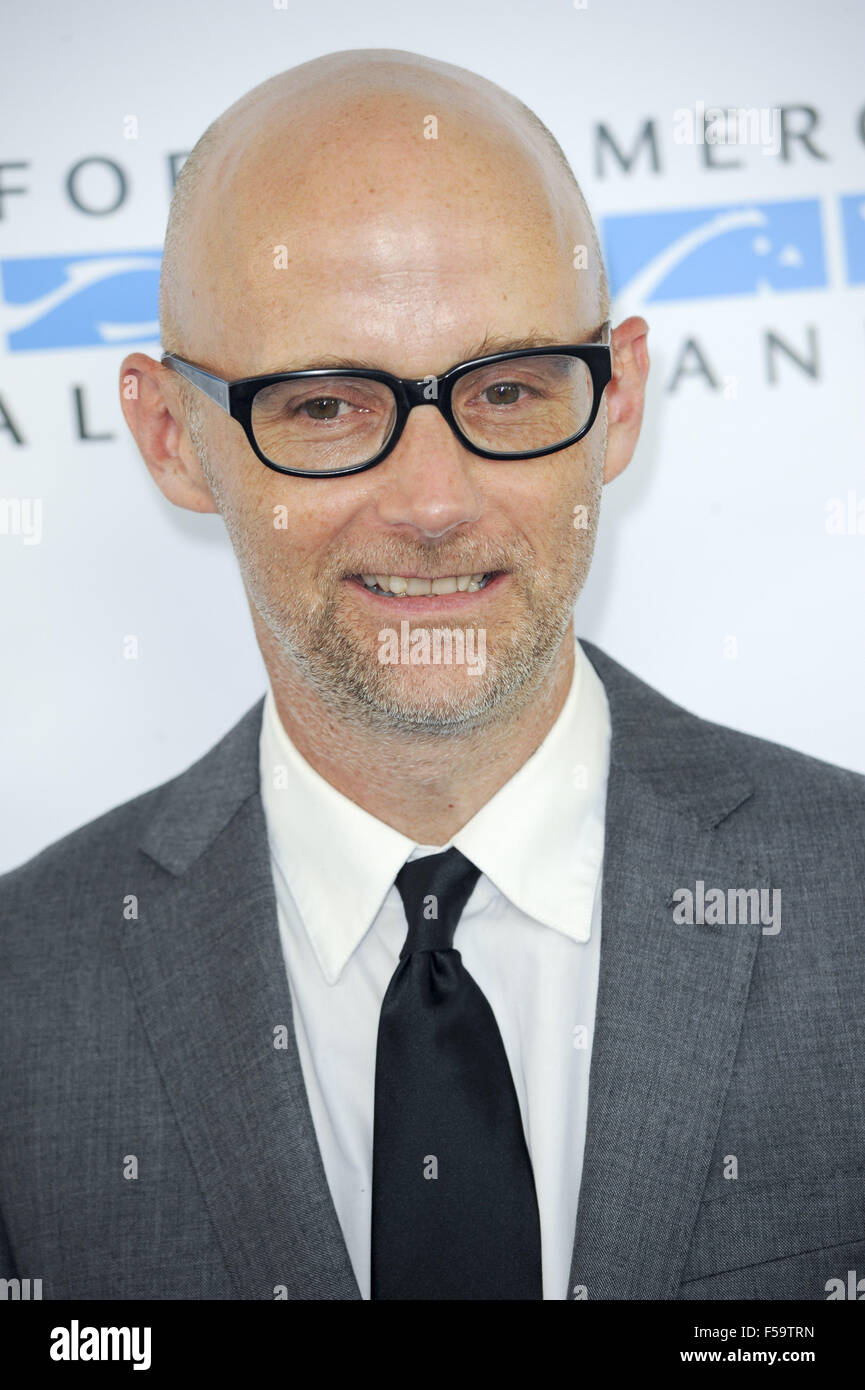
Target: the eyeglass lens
(512, 407)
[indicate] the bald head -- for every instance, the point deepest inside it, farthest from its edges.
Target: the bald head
(365, 163)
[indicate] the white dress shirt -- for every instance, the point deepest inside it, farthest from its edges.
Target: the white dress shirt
(529, 935)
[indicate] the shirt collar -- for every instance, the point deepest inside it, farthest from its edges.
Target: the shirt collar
(539, 839)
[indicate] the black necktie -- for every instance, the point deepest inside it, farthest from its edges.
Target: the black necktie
(454, 1211)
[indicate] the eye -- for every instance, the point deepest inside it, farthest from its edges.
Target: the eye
(322, 407)
(502, 393)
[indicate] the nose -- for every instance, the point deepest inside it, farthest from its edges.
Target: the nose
(427, 482)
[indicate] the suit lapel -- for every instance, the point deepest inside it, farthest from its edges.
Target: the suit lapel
(207, 970)
(671, 997)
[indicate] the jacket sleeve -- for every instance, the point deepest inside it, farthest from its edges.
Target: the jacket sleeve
(7, 1264)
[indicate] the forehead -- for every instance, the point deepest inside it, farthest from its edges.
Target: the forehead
(378, 243)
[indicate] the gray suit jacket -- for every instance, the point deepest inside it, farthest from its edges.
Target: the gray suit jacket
(155, 1144)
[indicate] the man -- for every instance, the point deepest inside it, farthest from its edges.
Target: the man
(466, 966)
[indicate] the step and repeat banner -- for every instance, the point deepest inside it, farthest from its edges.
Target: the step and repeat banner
(722, 152)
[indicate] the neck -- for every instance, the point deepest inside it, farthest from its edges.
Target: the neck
(425, 788)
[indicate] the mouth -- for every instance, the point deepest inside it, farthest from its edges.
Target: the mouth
(414, 592)
(416, 586)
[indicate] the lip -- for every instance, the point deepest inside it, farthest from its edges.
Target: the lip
(429, 603)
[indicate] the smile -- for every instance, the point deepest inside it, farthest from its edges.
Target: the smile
(412, 586)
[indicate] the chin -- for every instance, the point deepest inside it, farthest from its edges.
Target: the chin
(445, 702)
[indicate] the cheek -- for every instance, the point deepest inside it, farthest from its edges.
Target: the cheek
(290, 528)
(257, 504)
(585, 486)
(249, 497)
(550, 503)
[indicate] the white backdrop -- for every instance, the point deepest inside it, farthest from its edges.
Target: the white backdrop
(718, 577)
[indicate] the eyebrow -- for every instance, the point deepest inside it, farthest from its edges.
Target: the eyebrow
(486, 347)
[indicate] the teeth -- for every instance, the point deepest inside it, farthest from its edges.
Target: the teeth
(396, 584)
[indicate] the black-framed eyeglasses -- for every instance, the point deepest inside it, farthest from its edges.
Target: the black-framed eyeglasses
(326, 422)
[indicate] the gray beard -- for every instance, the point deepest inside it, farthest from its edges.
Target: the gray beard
(349, 679)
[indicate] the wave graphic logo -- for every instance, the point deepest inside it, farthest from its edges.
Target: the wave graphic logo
(853, 221)
(694, 253)
(701, 253)
(79, 301)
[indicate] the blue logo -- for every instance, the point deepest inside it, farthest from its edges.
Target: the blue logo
(698, 253)
(79, 301)
(111, 298)
(853, 222)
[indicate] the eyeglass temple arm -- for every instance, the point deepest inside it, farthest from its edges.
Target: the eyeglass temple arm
(212, 386)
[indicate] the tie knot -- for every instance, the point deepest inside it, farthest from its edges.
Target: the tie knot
(434, 891)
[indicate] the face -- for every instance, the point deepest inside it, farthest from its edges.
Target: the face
(407, 261)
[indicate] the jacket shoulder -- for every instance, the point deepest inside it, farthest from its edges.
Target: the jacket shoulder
(662, 738)
(192, 798)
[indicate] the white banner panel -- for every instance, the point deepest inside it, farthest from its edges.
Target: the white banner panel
(722, 151)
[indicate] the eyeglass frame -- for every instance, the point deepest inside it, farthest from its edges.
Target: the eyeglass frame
(236, 397)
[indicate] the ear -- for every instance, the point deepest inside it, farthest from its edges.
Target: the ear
(153, 409)
(626, 393)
